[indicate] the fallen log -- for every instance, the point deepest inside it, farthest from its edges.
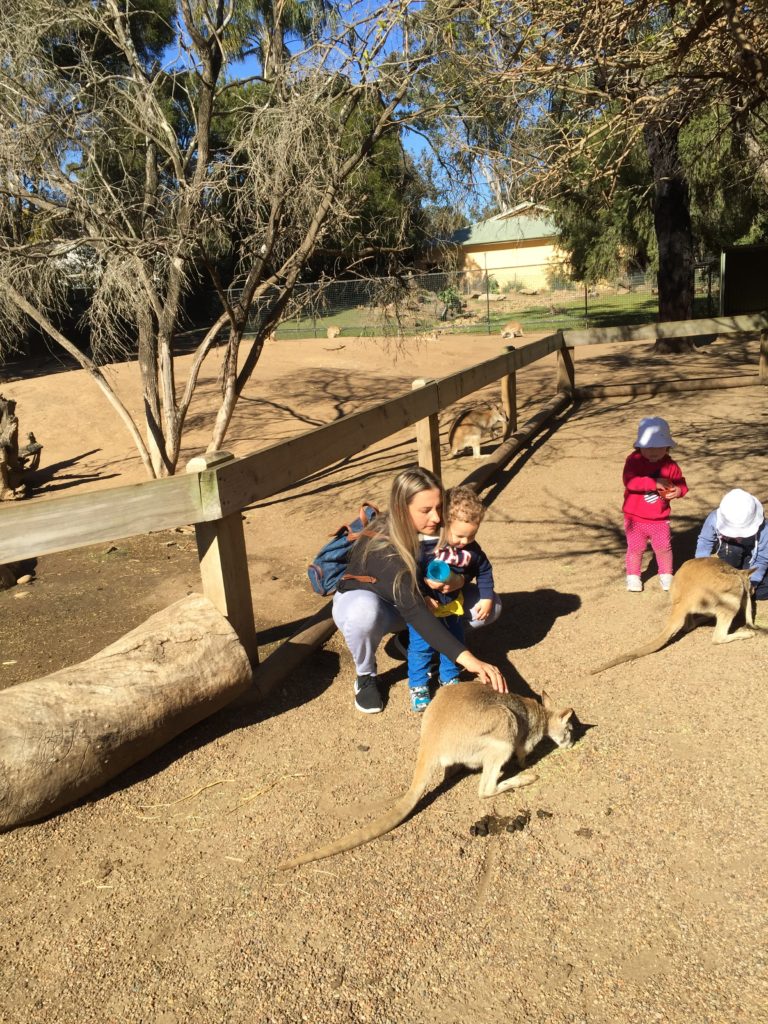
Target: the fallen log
(288, 656)
(659, 387)
(66, 734)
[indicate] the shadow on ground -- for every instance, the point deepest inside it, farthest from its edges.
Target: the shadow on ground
(47, 479)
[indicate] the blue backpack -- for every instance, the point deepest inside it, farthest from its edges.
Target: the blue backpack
(330, 563)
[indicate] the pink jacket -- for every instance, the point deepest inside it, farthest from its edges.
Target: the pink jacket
(640, 475)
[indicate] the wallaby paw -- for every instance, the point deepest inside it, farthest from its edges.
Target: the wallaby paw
(738, 634)
(744, 634)
(516, 782)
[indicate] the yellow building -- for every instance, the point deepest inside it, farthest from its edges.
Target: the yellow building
(517, 248)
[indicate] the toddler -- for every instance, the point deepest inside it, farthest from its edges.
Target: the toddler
(651, 480)
(736, 532)
(458, 581)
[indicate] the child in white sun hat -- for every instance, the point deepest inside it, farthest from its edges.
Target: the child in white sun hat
(736, 532)
(651, 480)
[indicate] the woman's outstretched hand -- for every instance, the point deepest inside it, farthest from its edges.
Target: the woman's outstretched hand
(485, 672)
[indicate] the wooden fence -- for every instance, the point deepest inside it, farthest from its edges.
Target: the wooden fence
(217, 486)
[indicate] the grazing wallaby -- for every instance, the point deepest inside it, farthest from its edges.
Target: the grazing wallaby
(465, 724)
(333, 331)
(468, 428)
(513, 329)
(701, 586)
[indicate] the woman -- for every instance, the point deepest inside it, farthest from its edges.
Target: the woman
(379, 594)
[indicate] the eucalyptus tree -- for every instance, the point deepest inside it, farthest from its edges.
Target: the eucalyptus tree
(137, 168)
(579, 94)
(671, 80)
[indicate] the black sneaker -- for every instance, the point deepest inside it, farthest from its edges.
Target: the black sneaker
(367, 696)
(400, 643)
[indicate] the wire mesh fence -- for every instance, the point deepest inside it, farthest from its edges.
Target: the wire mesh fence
(537, 297)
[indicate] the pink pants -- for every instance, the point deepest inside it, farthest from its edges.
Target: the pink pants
(639, 532)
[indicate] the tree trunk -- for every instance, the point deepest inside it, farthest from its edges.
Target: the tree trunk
(10, 468)
(66, 734)
(152, 418)
(672, 219)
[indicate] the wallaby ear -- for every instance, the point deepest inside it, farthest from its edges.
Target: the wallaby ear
(545, 700)
(567, 714)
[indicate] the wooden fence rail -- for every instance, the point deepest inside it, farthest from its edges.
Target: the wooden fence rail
(217, 486)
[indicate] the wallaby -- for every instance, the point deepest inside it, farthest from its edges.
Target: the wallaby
(333, 331)
(468, 428)
(701, 586)
(465, 724)
(513, 329)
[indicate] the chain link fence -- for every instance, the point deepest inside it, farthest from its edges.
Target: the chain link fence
(539, 297)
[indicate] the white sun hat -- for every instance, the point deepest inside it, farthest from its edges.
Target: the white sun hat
(653, 432)
(739, 514)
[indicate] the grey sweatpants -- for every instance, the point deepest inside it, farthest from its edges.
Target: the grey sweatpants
(364, 619)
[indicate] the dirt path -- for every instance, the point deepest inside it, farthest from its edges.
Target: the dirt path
(638, 896)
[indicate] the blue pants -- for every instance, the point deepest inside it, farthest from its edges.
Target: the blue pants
(420, 654)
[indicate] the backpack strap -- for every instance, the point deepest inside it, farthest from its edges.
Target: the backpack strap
(360, 579)
(362, 517)
(362, 533)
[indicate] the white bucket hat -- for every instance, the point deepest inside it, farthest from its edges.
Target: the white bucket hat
(739, 514)
(653, 432)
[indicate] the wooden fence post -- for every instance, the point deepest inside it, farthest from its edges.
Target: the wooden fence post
(566, 374)
(222, 555)
(762, 369)
(428, 436)
(509, 397)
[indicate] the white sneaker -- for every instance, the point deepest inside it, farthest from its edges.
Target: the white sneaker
(665, 579)
(634, 584)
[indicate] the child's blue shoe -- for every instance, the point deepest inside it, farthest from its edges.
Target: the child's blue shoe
(419, 698)
(450, 682)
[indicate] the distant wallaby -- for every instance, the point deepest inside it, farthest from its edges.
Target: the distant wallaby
(468, 428)
(466, 724)
(333, 331)
(701, 586)
(513, 329)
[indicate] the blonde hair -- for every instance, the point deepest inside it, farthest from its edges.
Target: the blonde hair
(461, 502)
(396, 529)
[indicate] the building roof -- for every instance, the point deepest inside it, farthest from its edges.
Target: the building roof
(521, 224)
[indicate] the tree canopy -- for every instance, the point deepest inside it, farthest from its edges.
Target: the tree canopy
(140, 155)
(627, 118)
(150, 151)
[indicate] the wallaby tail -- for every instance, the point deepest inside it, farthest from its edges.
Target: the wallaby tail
(673, 626)
(397, 813)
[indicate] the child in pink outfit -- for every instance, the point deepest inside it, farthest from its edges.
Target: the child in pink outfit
(651, 480)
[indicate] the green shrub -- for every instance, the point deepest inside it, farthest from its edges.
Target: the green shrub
(451, 297)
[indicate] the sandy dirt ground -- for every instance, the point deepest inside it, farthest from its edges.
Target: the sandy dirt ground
(636, 892)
